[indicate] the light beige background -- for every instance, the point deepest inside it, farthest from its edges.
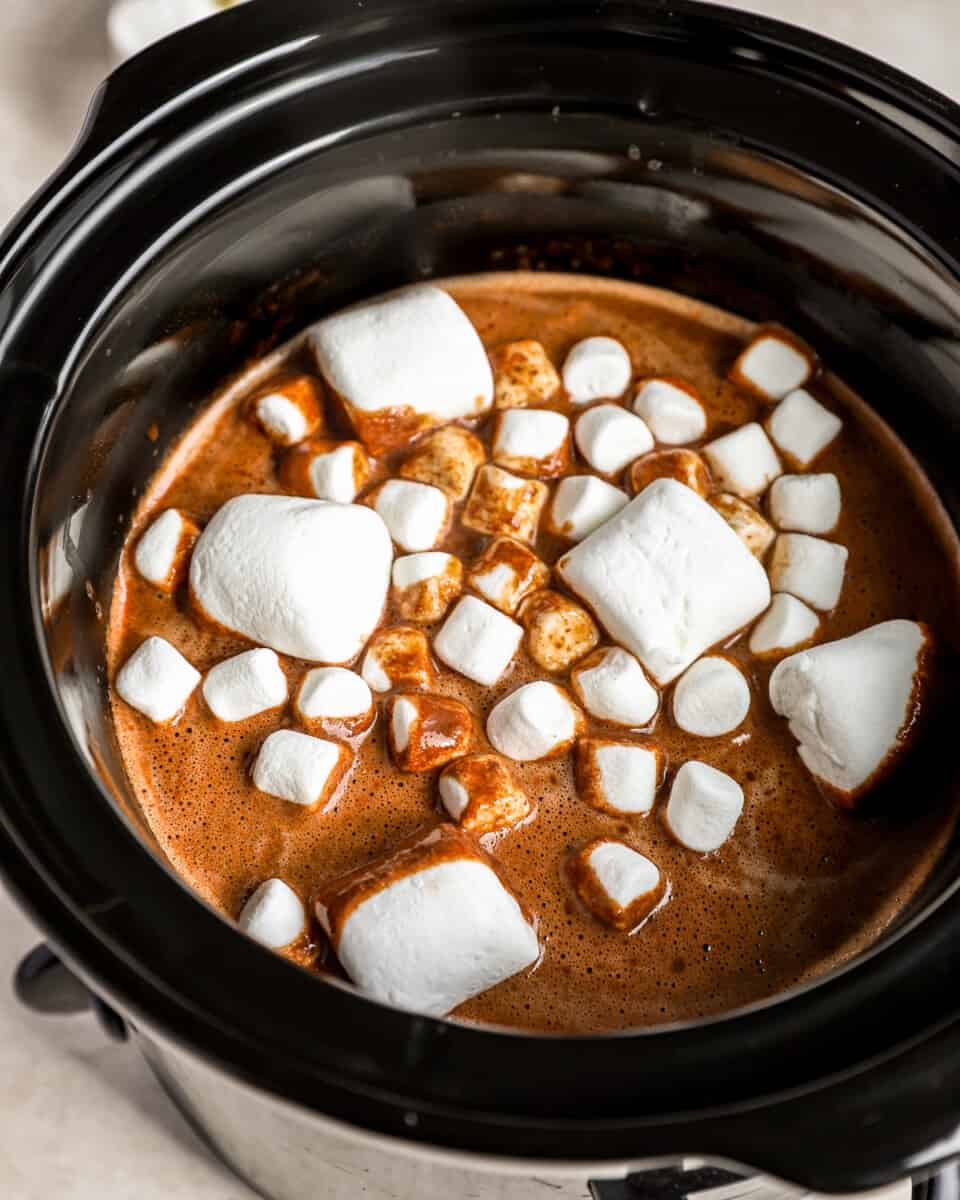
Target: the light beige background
(79, 1117)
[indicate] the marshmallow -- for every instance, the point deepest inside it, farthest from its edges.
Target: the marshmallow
(506, 573)
(417, 514)
(685, 466)
(581, 504)
(618, 777)
(523, 375)
(609, 437)
(274, 915)
(704, 807)
(673, 411)
(786, 624)
(806, 503)
(852, 703)
(611, 686)
(334, 701)
(428, 926)
(503, 504)
(532, 442)
(667, 578)
(297, 767)
(403, 363)
(598, 368)
(619, 885)
(305, 577)
(243, 686)
(538, 720)
(425, 584)
(448, 459)
(477, 641)
(424, 732)
(773, 364)
(480, 793)
(398, 657)
(156, 680)
(162, 552)
(289, 410)
(711, 698)
(743, 462)
(802, 427)
(755, 533)
(808, 568)
(559, 632)
(326, 470)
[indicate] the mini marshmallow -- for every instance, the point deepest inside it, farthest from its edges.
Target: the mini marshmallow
(532, 442)
(581, 504)
(618, 777)
(802, 427)
(786, 624)
(506, 573)
(480, 793)
(809, 568)
(711, 698)
(611, 686)
(478, 641)
(667, 578)
(538, 720)
(289, 410)
(505, 505)
(684, 466)
(398, 656)
(523, 375)
(598, 368)
(416, 514)
(297, 767)
(425, 584)
(672, 410)
(326, 470)
(806, 503)
(773, 364)
(559, 632)
(704, 807)
(619, 885)
(743, 462)
(425, 732)
(274, 915)
(403, 363)
(157, 680)
(162, 552)
(448, 459)
(755, 533)
(335, 701)
(246, 684)
(609, 437)
(851, 703)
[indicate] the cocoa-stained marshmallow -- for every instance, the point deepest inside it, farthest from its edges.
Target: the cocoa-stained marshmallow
(274, 915)
(398, 656)
(850, 703)
(802, 428)
(163, 551)
(808, 568)
(806, 503)
(619, 885)
(773, 364)
(245, 685)
(505, 505)
(618, 777)
(532, 442)
(157, 680)
(609, 437)
(581, 504)
(425, 584)
(403, 363)
(755, 533)
(538, 720)
(299, 768)
(478, 641)
(743, 462)
(672, 410)
(711, 697)
(523, 375)
(289, 410)
(611, 686)
(428, 926)
(417, 514)
(326, 470)
(448, 459)
(787, 624)
(667, 578)
(704, 807)
(598, 368)
(481, 795)
(685, 466)
(334, 701)
(559, 632)
(307, 578)
(424, 732)
(506, 573)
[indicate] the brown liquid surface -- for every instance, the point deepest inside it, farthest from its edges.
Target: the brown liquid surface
(799, 888)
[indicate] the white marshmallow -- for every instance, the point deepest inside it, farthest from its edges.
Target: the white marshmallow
(786, 624)
(806, 503)
(479, 792)
(424, 584)
(425, 732)
(334, 474)
(755, 533)
(597, 368)
(675, 416)
(523, 375)
(809, 568)
(618, 777)
(506, 573)
(415, 513)
(282, 419)
(334, 694)
(559, 632)
(582, 503)
(297, 767)
(704, 807)
(611, 686)
(244, 685)
(161, 551)
(743, 462)
(478, 641)
(711, 698)
(398, 656)
(773, 366)
(447, 458)
(609, 437)
(403, 719)
(307, 578)
(536, 721)
(157, 680)
(802, 427)
(273, 915)
(668, 578)
(618, 884)
(419, 568)
(532, 441)
(504, 504)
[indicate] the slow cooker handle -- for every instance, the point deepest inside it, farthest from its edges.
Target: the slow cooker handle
(44, 984)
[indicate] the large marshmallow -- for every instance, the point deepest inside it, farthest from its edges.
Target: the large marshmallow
(403, 363)
(581, 504)
(157, 680)
(802, 428)
(851, 703)
(684, 466)
(481, 795)
(425, 584)
(618, 777)
(711, 698)
(559, 632)
(163, 551)
(523, 375)
(398, 656)
(274, 915)
(532, 442)
(672, 410)
(307, 578)
(478, 641)
(787, 624)
(416, 514)
(598, 368)
(448, 459)
(289, 410)
(326, 470)
(506, 573)
(773, 364)
(299, 768)
(667, 578)
(505, 505)
(538, 720)
(609, 437)
(620, 886)
(755, 533)
(704, 807)
(806, 503)
(334, 701)
(425, 732)
(245, 685)
(809, 568)
(611, 686)
(743, 462)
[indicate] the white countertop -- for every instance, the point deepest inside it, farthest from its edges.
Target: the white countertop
(80, 1118)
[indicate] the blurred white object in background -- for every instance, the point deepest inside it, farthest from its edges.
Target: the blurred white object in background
(135, 24)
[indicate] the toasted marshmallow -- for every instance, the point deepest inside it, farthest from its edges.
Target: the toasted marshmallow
(480, 793)
(417, 514)
(289, 410)
(806, 503)
(809, 568)
(786, 625)
(334, 701)
(245, 685)
(619, 885)
(326, 470)
(274, 915)
(538, 720)
(402, 364)
(506, 573)
(297, 767)
(618, 777)
(851, 703)
(305, 577)
(424, 732)
(523, 375)
(704, 807)
(163, 552)
(559, 632)
(773, 364)
(428, 926)
(685, 466)
(755, 533)
(802, 427)
(667, 578)
(598, 368)
(743, 462)
(157, 680)
(532, 442)
(609, 437)
(398, 656)
(448, 459)
(505, 505)
(672, 410)
(478, 641)
(425, 584)
(581, 504)
(611, 686)
(711, 698)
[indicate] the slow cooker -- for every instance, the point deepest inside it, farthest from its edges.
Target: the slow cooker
(256, 171)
